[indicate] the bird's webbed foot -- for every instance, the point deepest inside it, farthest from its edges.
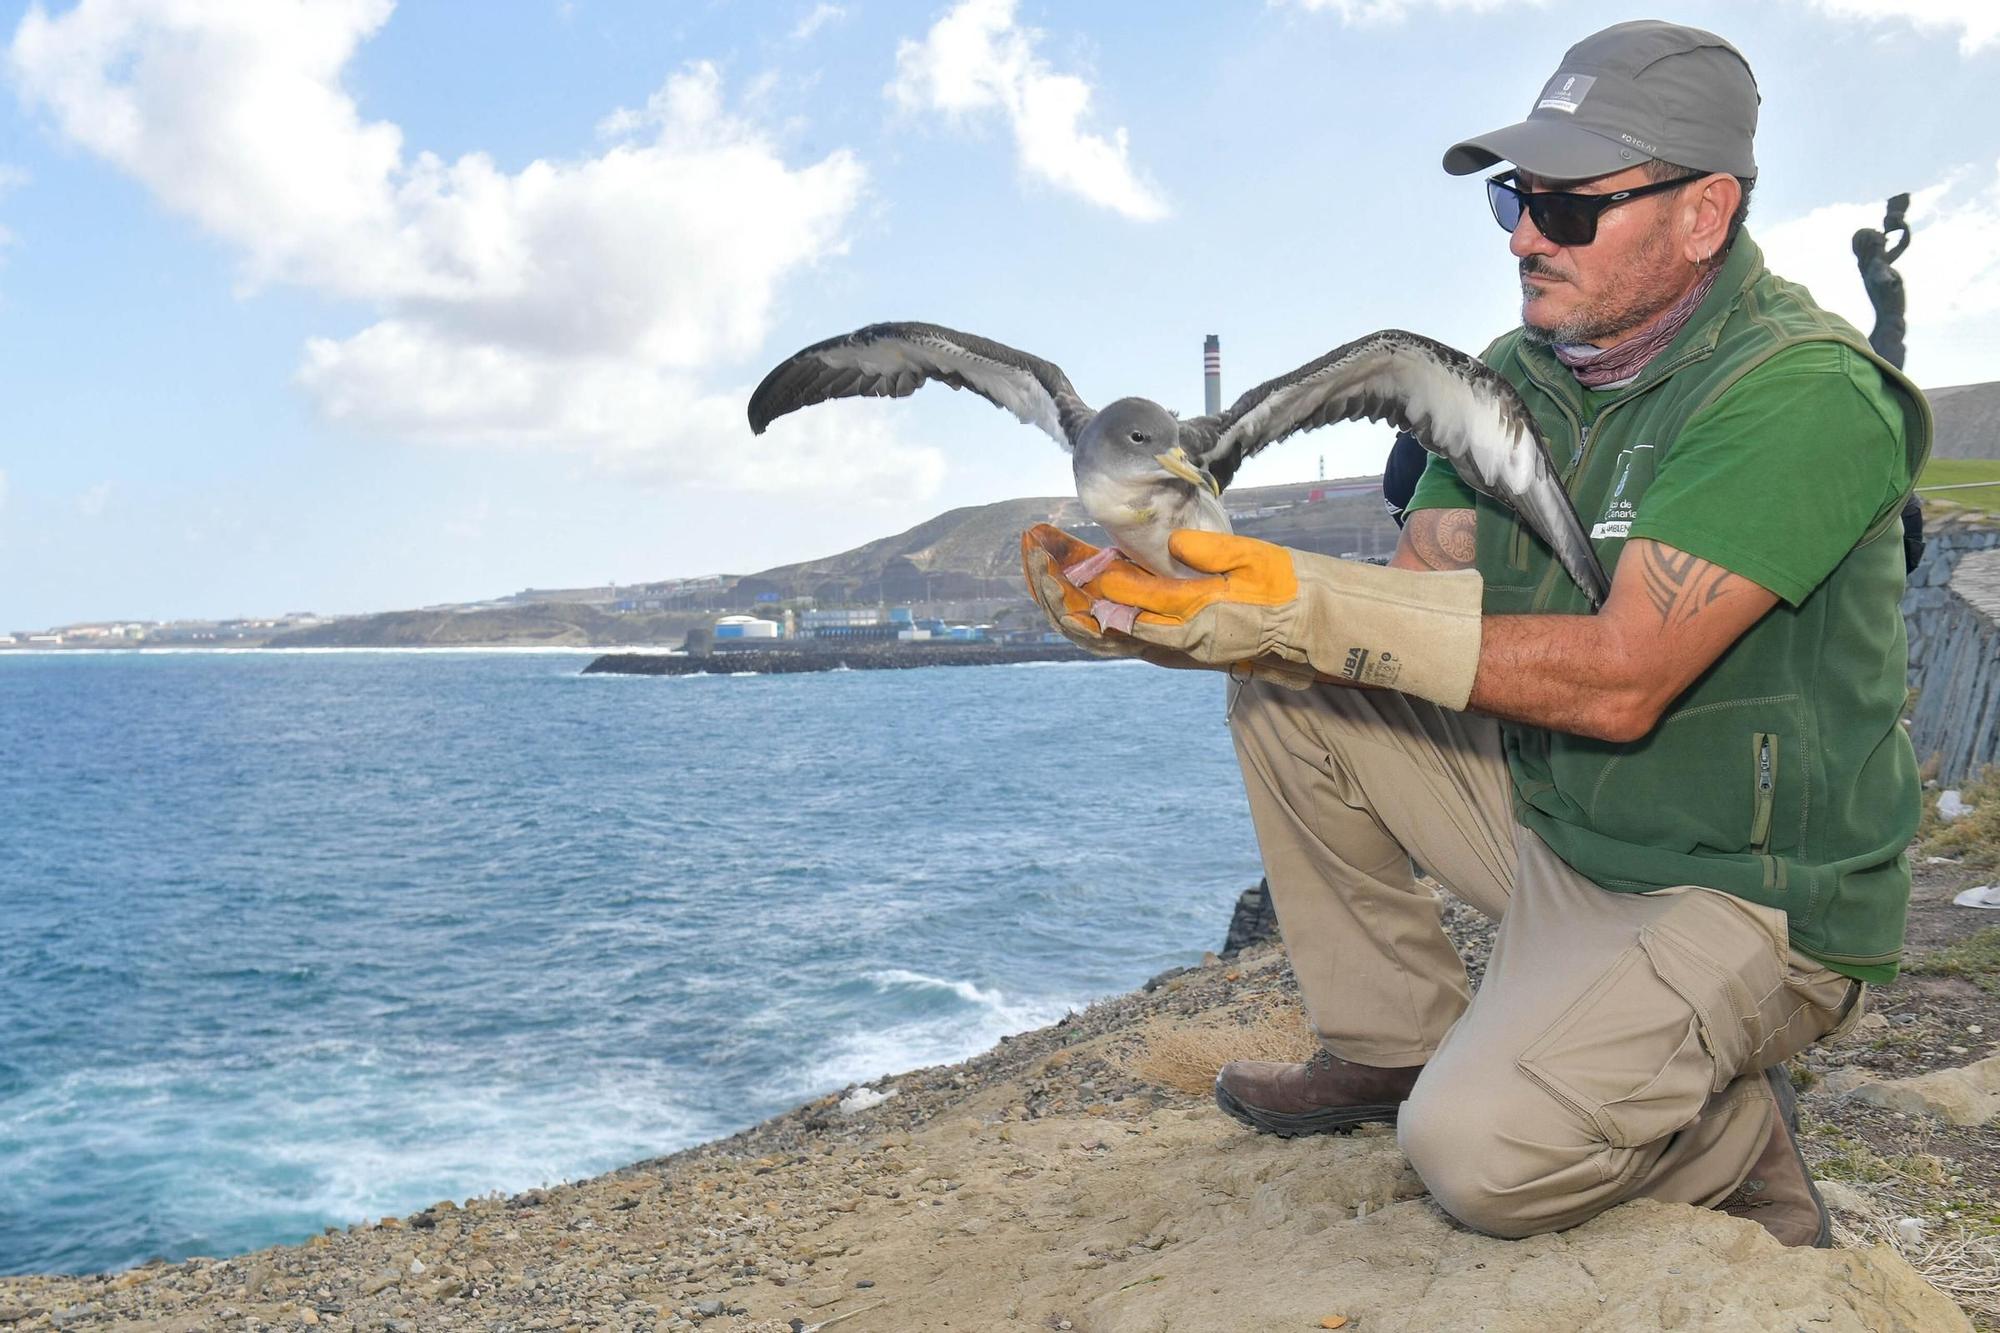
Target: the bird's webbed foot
(1114, 615)
(1111, 615)
(1088, 568)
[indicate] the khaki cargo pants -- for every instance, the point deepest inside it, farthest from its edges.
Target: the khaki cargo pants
(1615, 1046)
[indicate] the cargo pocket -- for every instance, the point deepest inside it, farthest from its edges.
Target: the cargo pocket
(1626, 1057)
(1728, 962)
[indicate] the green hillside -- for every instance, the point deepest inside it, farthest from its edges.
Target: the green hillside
(1963, 472)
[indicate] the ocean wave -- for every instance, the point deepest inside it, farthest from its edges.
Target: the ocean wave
(976, 1018)
(964, 990)
(286, 1151)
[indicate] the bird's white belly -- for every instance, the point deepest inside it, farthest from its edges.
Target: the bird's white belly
(1143, 535)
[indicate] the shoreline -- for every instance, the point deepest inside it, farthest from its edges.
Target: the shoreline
(1071, 1174)
(850, 657)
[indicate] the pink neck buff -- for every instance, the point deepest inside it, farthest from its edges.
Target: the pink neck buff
(1615, 367)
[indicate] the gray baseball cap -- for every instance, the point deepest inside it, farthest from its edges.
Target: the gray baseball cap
(1634, 91)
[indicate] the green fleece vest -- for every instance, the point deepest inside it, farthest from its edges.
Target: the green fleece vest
(1782, 775)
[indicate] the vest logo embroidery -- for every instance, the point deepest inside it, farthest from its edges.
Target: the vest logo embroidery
(1634, 474)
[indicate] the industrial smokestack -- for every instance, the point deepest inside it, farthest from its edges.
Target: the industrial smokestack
(1211, 375)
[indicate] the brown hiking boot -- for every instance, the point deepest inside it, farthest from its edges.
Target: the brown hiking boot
(1778, 1194)
(1325, 1095)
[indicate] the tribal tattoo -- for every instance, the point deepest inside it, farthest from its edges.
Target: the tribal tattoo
(1681, 586)
(1445, 538)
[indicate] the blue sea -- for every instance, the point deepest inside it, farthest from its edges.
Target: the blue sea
(290, 940)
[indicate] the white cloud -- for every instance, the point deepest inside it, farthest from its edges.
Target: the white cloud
(91, 503)
(585, 304)
(975, 59)
(1951, 272)
(401, 378)
(1977, 22)
(821, 15)
(11, 177)
(1364, 12)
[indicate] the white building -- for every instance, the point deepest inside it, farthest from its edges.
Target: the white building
(745, 627)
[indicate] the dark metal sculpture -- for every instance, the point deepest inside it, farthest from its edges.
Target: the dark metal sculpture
(1876, 256)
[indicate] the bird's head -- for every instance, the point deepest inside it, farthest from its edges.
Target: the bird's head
(1139, 439)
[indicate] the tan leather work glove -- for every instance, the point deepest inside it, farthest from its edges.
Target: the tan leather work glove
(1046, 551)
(1409, 630)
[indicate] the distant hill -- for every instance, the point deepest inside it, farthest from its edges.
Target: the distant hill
(547, 624)
(975, 551)
(972, 554)
(1968, 420)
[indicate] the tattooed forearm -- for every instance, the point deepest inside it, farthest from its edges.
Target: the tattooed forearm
(1444, 538)
(1681, 586)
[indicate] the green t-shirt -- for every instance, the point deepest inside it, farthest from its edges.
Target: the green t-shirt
(1775, 481)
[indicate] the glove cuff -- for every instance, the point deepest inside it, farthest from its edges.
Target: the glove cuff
(1416, 631)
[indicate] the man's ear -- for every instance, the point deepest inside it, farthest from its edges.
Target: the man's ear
(1711, 204)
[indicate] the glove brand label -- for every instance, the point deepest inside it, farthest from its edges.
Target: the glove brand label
(1371, 668)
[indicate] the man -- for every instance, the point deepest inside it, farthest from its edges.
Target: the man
(1689, 810)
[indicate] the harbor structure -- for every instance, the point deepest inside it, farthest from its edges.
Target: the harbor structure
(744, 627)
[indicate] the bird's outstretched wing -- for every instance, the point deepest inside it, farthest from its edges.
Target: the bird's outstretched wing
(892, 360)
(1455, 405)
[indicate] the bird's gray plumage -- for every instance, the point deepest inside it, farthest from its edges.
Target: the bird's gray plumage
(1455, 405)
(892, 360)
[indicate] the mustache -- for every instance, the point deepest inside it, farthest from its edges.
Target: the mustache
(1536, 266)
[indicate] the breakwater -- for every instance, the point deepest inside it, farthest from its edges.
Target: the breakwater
(1952, 609)
(832, 657)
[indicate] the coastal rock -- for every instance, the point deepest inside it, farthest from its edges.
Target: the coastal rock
(1844, 1198)
(1253, 922)
(1967, 1096)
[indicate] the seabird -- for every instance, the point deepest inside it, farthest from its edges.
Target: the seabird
(1143, 472)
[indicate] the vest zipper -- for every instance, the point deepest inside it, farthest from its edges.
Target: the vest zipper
(1765, 787)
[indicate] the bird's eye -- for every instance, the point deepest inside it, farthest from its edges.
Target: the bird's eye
(1138, 437)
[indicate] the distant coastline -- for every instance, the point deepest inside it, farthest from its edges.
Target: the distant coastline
(318, 650)
(814, 657)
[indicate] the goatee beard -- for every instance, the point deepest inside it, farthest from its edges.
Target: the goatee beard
(1579, 326)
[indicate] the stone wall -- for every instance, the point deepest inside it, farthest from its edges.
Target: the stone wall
(1952, 609)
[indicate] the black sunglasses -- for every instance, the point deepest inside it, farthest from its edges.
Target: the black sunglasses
(1565, 218)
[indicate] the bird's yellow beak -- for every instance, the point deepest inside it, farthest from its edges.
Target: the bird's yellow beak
(1176, 461)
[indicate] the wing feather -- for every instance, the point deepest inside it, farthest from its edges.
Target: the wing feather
(1453, 404)
(894, 360)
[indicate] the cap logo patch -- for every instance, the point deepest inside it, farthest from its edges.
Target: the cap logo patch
(1565, 92)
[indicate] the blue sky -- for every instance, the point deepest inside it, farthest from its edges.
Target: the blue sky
(346, 305)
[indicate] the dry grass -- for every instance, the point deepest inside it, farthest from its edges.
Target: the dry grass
(1963, 1264)
(1960, 1256)
(1186, 1058)
(1974, 838)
